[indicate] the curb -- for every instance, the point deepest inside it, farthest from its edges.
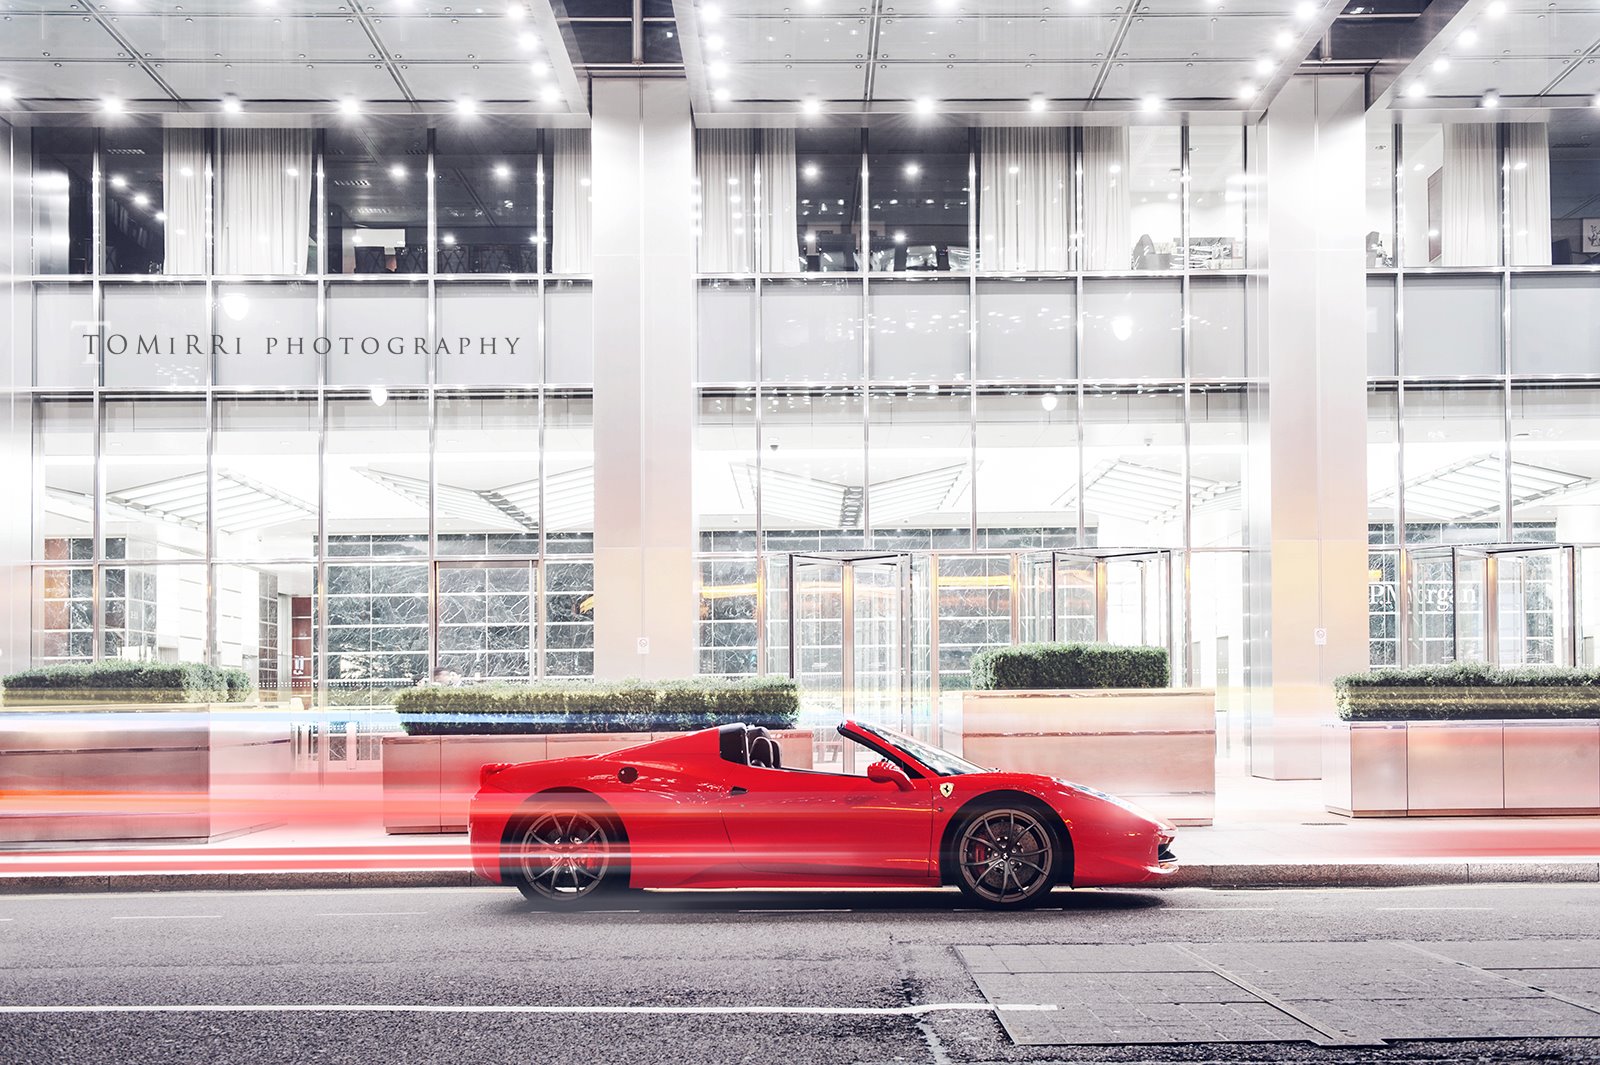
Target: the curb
(1263, 875)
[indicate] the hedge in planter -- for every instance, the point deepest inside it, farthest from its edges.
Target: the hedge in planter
(1467, 691)
(590, 706)
(119, 681)
(1044, 666)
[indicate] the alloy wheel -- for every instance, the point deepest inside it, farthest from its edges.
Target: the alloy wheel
(1006, 856)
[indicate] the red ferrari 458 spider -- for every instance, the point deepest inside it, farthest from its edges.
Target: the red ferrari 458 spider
(717, 809)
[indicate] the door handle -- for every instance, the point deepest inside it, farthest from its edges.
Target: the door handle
(738, 791)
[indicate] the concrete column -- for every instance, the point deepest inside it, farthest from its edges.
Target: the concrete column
(1311, 438)
(643, 148)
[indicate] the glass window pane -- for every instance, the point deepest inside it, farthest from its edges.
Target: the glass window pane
(1027, 329)
(828, 194)
(569, 209)
(63, 502)
(1574, 176)
(486, 192)
(487, 333)
(486, 622)
(1452, 464)
(1216, 465)
(1381, 165)
(63, 337)
(1383, 464)
(376, 185)
(726, 331)
(1133, 467)
(270, 334)
(919, 462)
(811, 331)
(569, 618)
(727, 628)
(486, 468)
(264, 625)
(63, 173)
(1555, 462)
(1027, 471)
(63, 614)
(919, 331)
(1528, 192)
(1216, 198)
(1380, 327)
(725, 162)
(376, 476)
(155, 478)
(264, 478)
(1154, 190)
(377, 629)
(378, 333)
(725, 468)
(1024, 199)
(1555, 324)
(1383, 608)
(569, 332)
(1452, 326)
(1450, 179)
(813, 470)
(569, 473)
(1217, 327)
(134, 235)
(156, 334)
(1132, 328)
(264, 220)
(920, 193)
(973, 607)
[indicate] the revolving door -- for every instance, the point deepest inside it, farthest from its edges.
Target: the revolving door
(1505, 604)
(1120, 596)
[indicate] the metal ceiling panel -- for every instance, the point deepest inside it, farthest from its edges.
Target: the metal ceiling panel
(81, 80)
(280, 81)
(807, 40)
(458, 39)
(1174, 81)
(825, 81)
(245, 39)
(1583, 80)
(1547, 32)
(939, 40)
(972, 81)
(1509, 76)
(481, 81)
(1201, 37)
(57, 37)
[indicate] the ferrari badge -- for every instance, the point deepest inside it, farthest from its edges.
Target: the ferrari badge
(946, 788)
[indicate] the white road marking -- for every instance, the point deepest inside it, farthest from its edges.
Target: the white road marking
(1223, 909)
(375, 913)
(1414, 908)
(167, 917)
(786, 910)
(303, 1007)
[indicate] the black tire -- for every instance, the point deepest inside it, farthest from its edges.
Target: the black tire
(1007, 855)
(564, 851)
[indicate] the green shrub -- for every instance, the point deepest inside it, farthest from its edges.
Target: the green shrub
(1466, 691)
(577, 705)
(1035, 666)
(120, 681)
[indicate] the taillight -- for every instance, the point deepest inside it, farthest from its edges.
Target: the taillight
(490, 770)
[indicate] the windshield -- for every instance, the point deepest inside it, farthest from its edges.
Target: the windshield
(941, 762)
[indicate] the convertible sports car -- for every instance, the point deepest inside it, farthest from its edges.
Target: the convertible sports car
(717, 809)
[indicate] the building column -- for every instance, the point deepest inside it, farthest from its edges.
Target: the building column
(1310, 439)
(643, 188)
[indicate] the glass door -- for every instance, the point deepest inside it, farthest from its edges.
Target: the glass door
(1534, 600)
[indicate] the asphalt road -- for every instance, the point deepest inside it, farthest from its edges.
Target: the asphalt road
(793, 978)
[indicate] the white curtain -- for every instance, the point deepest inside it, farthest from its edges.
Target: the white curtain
(1469, 232)
(1107, 211)
(726, 160)
(183, 200)
(572, 215)
(780, 239)
(1528, 189)
(1024, 199)
(264, 188)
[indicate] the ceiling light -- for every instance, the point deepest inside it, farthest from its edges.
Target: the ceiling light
(161, 216)
(1468, 39)
(1496, 9)
(379, 395)
(810, 170)
(118, 181)
(111, 105)
(397, 172)
(550, 94)
(899, 236)
(1304, 10)
(717, 69)
(528, 41)
(811, 238)
(539, 68)
(1441, 64)
(1151, 103)
(1284, 39)
(710, 13)
(1595, 102)
(722, 95)
(141, 200)
(231, 105)
(811, 105)
(714, 43)
(1265, 66)
(7, 93)
(925, 105)
(516, 12)
(1490, 99)
(466, 107)
(350, 105)
(1247, 92)
(449, 238)
(912, 170)
(1037, 103)
(1416, 89)
(502, 171)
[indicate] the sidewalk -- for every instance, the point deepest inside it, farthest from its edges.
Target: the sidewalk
(1267, 834)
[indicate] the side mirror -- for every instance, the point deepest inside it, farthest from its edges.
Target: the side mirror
(888, 773)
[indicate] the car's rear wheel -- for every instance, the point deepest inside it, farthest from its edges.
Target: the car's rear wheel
(565, 853)
(1007, 856)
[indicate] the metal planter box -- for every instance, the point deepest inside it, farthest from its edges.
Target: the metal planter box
(1153, 746)
(1437, 768)
(429, 781)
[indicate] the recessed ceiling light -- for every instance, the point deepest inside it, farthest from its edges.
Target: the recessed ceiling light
(516, 12)
(717, 69)
(528, 41)
(810, 171)
(811, 238)
(550, 94)
(1247, 92)
(7, 94)
(1304, 10)
(111, 105)
(141, 200)
(899, 236)
(161, 216)
(811, 105)
(449, 238)
(118, 181)
(1496, 9)
(1265, 66)
(539, 68)
(1037, 103)
(1284, 39)
(1595, 102)
(1416, 89)
(710, 13)
(912, 170)
(466, 107)
(714, 43)
(397, 172)
(1490, 99)
(1151, 103)
(350, 105)
(925, 105)
(722, 94)
(502, 171)
(231, 105)
(1468, 39)
(1441, 64)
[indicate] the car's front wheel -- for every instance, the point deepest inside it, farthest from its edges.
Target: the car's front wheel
(1007, 856)
(563, 854)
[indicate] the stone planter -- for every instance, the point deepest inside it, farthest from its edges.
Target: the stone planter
(1153, 746)
(429, 781)
(1435, 768)
(164, 771)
